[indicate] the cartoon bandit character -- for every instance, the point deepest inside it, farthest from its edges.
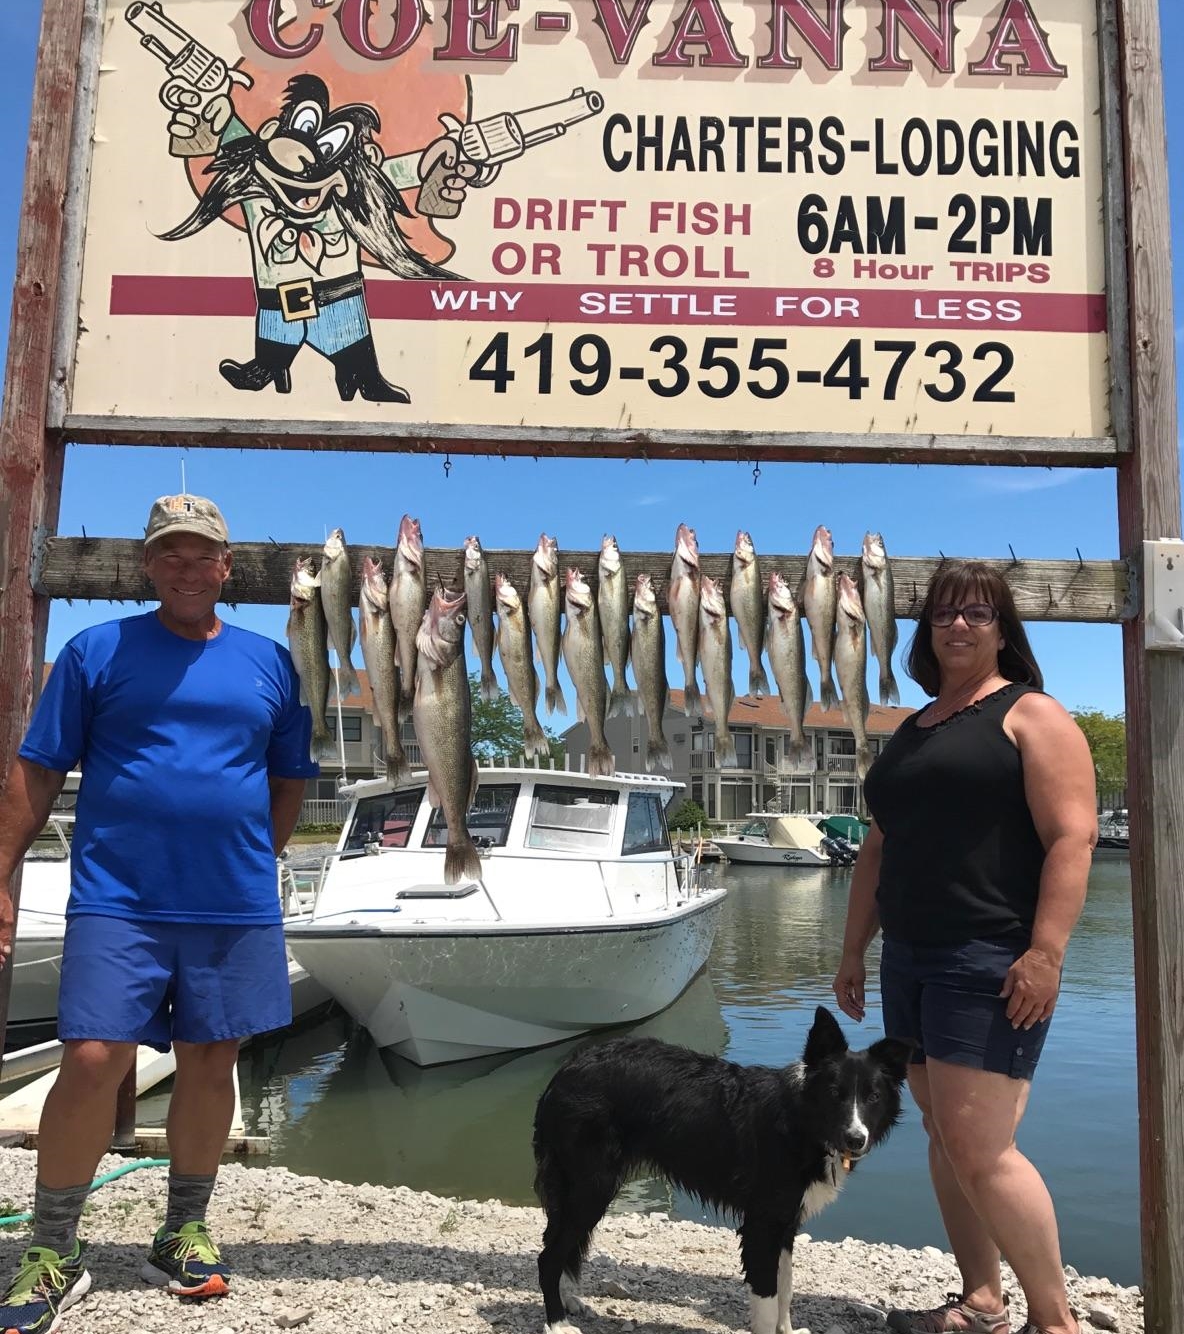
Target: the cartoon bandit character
(316, 190)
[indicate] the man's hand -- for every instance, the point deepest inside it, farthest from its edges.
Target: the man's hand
(1031, 988)
(7, 924)
(849, 985)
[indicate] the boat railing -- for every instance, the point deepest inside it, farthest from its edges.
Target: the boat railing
(686, 868)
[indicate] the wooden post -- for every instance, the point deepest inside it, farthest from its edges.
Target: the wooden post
(30, 460)
(124, 1138)
(1148, 508)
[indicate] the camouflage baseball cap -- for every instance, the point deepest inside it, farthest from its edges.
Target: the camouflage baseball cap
(186, 514)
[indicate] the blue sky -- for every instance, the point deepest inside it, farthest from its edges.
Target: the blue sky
(295, 497)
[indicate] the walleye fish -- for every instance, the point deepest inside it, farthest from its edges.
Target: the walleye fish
(513, 647)
(308, 640)
(851, 660)
(819, 597)
(544, 605)
(748, 607)
(585, 665)
(786, 644)
(480, 613)
(612, 601)
(444, 725)
(715, 649)
(682, 598)
(408, 601)
(336, 577)
(879, 606)
(648, 648)
(378, 653)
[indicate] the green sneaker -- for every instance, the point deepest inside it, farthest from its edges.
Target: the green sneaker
(45, 1285)
(187, 1263)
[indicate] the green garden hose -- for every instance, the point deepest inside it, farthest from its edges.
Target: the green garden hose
(95, 1184)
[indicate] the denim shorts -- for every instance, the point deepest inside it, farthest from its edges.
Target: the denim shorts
(945, 998)
(159, 982)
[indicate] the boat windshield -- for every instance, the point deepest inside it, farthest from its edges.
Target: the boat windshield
(757, 827)
(572, 819)
(384, 820)
(52, 844)
(488, 818)
(645, 825)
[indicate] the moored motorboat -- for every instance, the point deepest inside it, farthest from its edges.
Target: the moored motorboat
(582, 917)
(775, 839)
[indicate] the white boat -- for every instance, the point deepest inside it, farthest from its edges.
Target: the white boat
(776, 840)
(582, 918)
(41, 928)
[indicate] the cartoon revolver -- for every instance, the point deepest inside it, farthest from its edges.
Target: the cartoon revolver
(489, 143)
(191, 68)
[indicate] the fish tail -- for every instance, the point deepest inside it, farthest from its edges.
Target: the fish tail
(397, 767)
(657, 754)
(826, 692)
(601, 762)
(863, 761)
(461, 861)
(758, 681)
(889, 694)
(322, 744)
(620, 701)
(799, 752)
(692, 703)
(489, 686)
(725, 751)
(554, 699)
(536, 743)
(406, 704)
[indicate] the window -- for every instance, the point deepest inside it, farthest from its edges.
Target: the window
(571, 819)
(385, 820)
(697, 791)
(488, 818)
(743, 743)
(842, 743)
(645, 825)
(351, 726)
(771, 750)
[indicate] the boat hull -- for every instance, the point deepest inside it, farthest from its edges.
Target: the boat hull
(457, 991)
(762, 854)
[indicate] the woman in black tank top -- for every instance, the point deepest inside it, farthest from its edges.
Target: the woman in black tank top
(975, 868)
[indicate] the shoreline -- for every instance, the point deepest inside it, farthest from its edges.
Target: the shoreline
(326, 1256)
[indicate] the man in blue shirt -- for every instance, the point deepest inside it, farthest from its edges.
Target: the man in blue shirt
(194, 750)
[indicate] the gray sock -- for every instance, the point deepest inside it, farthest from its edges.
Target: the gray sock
(56, 1214)
(188, 1198)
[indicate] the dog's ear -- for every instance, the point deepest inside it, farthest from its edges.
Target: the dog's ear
(826, 1038)
(893, 1054)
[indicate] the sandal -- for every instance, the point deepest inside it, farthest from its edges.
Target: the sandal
(954, 1316)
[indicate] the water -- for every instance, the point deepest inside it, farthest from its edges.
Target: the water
(336, 1107)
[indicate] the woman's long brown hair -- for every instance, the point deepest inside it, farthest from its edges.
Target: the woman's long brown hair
(951, 584)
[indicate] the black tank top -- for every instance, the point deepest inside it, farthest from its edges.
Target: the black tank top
(961, 858)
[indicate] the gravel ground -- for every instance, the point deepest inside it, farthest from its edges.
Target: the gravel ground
(325, 1256)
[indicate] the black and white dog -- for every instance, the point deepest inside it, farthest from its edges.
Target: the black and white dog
(769, 1146)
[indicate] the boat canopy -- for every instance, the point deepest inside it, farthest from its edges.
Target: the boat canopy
(793, 831)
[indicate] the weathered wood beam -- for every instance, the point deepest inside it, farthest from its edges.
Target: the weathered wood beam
(111, 569)
(402, 437)
(1149, 508)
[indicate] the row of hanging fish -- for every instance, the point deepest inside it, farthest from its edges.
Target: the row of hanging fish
(839, 610)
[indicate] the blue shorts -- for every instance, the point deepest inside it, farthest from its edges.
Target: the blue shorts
(945, 998)
(159, 982)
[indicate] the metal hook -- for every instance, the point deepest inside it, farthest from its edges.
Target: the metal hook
(914, 590)
(1080, 562)
(1014, 558)
(756, 473)
(1052, 602)
(447, 465)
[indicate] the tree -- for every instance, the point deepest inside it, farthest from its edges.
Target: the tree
(690, 815)
(1106, 734)
(497, 727)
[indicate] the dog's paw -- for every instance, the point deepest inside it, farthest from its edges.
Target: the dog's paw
(561, 1327)
(787, 1328)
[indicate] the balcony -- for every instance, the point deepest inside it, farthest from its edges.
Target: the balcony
(840, 764)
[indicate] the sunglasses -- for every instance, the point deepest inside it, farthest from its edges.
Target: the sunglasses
(976, 614)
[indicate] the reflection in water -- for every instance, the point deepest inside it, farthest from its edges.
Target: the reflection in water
(336, 1107)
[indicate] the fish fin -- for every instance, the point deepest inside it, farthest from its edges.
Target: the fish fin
(397, 767)
(758, 681)
(800, 751)
(889, 694)
(601, 762)
(461, 861)
(692, 703)
(620, 701)
(828, 698)
(322, 745)
(489, 686)
(555, 701)
(474, 781)
(345, 683)
(537, 745)
(725, 752)
(433, 795)
(863, 761)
